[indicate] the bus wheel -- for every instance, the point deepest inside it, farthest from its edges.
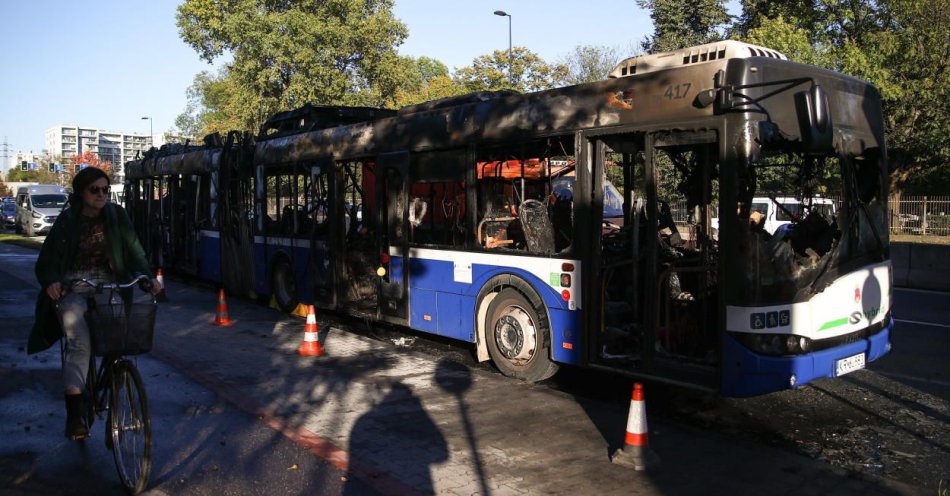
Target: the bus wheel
(284, 286)
(517, 340)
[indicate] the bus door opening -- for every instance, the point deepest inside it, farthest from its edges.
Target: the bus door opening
(392, 237)
(322, 238)
(188, 231)
(657, 301)
(354, 223)
(237, 216)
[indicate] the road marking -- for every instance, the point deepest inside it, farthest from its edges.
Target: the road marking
(897, 375)
(922, 323)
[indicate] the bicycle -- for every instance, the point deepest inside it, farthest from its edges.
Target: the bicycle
(117, 330)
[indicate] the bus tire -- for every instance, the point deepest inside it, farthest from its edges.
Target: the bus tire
(284, 286)
(518, 340)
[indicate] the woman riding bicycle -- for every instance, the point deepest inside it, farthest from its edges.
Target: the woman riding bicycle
(92, 239)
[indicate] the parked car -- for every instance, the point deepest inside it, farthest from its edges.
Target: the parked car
(7, 214)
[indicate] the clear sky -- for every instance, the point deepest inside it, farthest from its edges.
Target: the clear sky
(108, 63)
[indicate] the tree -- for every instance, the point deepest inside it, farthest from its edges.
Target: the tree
(91, 160)
(426, 79)
(288, 53)
(4, 189)
(801, 14)
(216, 103)
(788, 38)
(900, 46)
(529, 72)
(41, 175)
(680, 23)
(589, 63)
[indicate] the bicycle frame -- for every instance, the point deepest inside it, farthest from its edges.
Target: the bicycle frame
(115, 386)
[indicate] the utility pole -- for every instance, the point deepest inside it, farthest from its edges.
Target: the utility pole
(502, 13)
(5, 155)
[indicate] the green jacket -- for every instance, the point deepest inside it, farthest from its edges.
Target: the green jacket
(126, 258)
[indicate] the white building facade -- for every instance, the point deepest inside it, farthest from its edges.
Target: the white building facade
(116, 147)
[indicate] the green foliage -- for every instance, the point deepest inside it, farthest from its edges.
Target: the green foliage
(679, 23)
(589, 63)
(800, 14)
(42, 176)
(288, 53)
(217, 103)
(529, 72)
(788, 38)
(900, 46)
(425, 79)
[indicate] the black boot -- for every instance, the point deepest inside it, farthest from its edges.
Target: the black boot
(76, 429)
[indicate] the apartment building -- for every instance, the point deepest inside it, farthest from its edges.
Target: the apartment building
(116, 147)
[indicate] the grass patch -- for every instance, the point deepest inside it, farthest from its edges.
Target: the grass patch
(16, 239)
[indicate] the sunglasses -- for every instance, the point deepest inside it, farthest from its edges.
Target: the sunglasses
(96, 190)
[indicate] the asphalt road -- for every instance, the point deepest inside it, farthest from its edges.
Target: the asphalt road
(203, 445)
(921, 339)
(888, 422)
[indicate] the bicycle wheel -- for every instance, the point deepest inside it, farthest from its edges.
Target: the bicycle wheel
(130, 426)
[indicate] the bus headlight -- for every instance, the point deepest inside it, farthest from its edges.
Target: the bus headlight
(774, 344)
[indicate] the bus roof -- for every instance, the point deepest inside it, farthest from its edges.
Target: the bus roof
(727, 49)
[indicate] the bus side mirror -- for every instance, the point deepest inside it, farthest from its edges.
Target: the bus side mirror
(818, 116)
(814, 119)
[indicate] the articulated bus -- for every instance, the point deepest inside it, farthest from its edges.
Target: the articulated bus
(538, 228)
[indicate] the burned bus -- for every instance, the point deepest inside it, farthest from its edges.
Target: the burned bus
(538, 227)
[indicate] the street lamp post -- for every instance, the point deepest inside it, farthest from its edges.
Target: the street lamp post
(151, 134)
(502, 13)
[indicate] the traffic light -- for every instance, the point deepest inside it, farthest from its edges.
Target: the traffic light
(52, 168)
(23, 165)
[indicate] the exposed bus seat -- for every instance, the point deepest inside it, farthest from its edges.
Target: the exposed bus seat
(493, 232)
(538, 230)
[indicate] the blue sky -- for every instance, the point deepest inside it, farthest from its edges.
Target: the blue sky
(108, 63)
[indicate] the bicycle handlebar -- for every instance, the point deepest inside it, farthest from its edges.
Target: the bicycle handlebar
(112, 286)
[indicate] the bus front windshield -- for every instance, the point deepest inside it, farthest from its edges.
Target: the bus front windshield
(837, 224)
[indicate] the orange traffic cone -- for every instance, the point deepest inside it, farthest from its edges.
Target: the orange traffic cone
(311, 336)
(222, 318)
(636, 450)
(161, 296)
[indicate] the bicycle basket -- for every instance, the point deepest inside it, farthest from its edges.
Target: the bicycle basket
(121, 329)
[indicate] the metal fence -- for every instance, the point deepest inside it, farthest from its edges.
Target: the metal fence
(918, 215)
(923, 215)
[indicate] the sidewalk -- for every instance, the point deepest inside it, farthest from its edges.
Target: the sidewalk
(408, 423)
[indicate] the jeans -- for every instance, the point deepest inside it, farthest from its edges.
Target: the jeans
(71, 310)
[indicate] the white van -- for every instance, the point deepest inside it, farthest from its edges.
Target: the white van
(37, 207)
(784, 210)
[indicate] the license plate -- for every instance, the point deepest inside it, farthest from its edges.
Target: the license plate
(849, 364)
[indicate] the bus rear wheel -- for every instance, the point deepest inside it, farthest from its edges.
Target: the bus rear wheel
(284, 286)
(518, 342)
